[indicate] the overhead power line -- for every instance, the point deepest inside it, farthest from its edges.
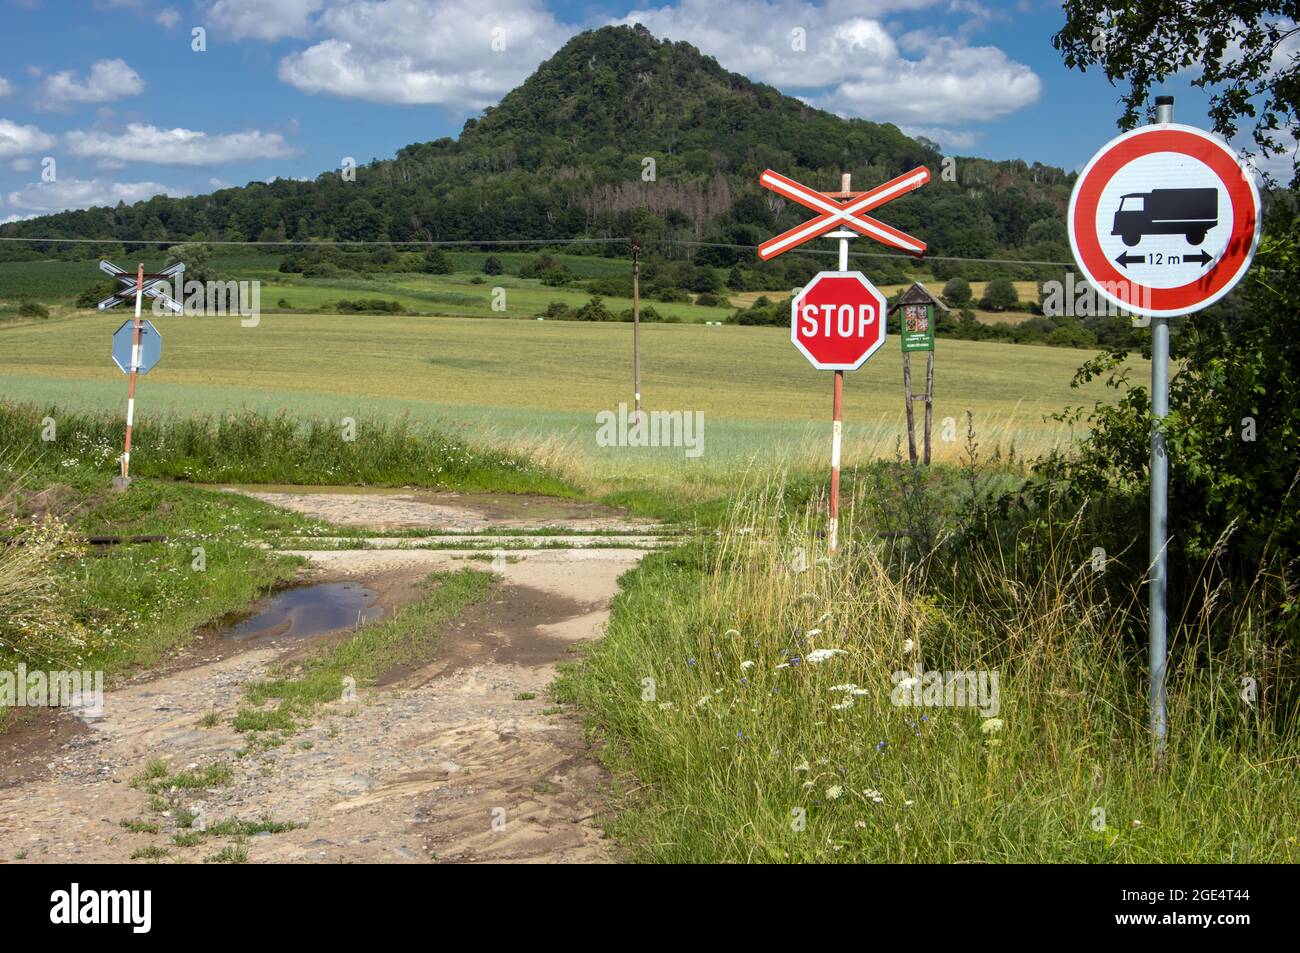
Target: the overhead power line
(510, 241)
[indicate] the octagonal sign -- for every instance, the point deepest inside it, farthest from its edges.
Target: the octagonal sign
(838, 320)
(124, 344)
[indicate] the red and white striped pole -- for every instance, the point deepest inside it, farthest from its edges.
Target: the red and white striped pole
(837, 403)
(135, 364)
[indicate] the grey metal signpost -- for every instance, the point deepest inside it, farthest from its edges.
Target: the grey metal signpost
(1185, 198)
(1157, 589)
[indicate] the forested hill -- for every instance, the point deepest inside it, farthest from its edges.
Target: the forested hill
(565, 155)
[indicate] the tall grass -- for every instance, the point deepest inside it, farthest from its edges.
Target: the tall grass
(251, 447)
(752, 745)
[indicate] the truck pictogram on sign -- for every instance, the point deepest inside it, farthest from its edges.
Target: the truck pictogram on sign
(1187, 212)
(1164, 220)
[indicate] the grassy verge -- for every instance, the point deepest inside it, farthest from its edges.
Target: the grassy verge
(753, 692)
(67, 606)
(403, 639)
(271, 448)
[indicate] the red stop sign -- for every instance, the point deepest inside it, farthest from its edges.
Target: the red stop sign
(838, 320)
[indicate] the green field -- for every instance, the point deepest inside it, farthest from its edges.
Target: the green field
(500, 378)
(457, 294)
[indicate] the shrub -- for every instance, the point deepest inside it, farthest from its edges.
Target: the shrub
(594, 310)
(999, 295)
(956, 292)
(435, 262)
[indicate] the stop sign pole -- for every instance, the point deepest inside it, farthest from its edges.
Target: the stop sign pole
(842, 216)
(139, 288)
(135, 367)
(837, 399)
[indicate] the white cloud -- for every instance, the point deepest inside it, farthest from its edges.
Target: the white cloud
(6, 87)
(108, 80)
(16, 140)
(41, 198)
(168, 17)
(23, 165)
(262, 19)
(852, 59)
(148, 143)
(425, 51)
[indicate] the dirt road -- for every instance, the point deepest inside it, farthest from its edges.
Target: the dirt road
(461, 758)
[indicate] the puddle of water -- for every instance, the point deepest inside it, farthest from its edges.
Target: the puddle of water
(309, 610)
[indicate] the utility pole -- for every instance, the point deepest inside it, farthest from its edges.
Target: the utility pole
(636, 325)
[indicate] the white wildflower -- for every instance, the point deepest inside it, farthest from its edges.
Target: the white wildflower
(991, 726)
(834, 791)
(821, 655)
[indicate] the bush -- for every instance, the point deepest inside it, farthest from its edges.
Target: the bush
(435, 262)
(999, 295)
(320, 269)
(763, 312)
(557, 311)
(648, 313)
(669, 295)
(370, 305)
(710, 300)
(593, 310)
(1234, 424)
(956, 292)
(96, 293)
(33, 309)
(548, 269)
(612, 286)
(492, 265)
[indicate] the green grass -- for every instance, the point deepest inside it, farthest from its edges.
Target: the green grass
(117, 608)
(152, 852)
(156, 778)
(259, 448)
(405, 638)
(230, 854)
(781, 760)
(527, 384)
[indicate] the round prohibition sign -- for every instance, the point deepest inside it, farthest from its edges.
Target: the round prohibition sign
(1163, 220)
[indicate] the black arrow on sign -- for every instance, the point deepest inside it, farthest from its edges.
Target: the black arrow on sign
(1125, 259)
(1200, 256)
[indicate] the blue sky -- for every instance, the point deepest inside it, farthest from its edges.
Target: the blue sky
(115, 94)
